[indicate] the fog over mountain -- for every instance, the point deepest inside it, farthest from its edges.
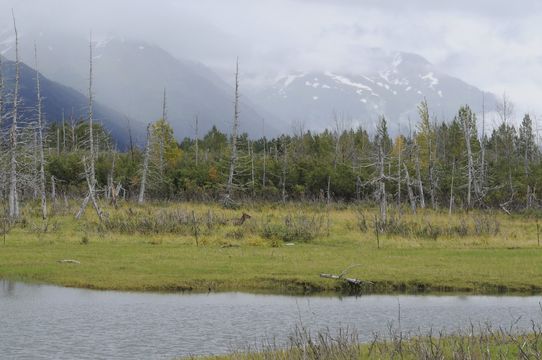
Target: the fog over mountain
(394, 88)
(190, 48)
(62, 102)
(130, 76)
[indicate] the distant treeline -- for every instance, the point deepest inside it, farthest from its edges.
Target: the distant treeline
(438, 165)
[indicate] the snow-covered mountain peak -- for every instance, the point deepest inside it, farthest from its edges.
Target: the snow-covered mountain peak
(393, 89)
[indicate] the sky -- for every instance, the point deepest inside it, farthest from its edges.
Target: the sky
(495, 45)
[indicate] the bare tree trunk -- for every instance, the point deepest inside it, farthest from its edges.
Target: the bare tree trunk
(13, 195)
(91, 192)
(63, 132)
(57, 141)
(419, 176)
(111, 188)
(328, 192)
(452, 190)
(40, 142)
(53, 189)
(470, 163)
(1, 94)
(431, 175)
(284, 171)
(141, 198)
(382, 186)
(399, 177)
(482, 179)
(2, 174)
(35, 171)
(358, 188)
(264, 156)
(411, 197)
(233, 159)
(252, 174)
(197, 140)
(162, 139)
(131, 140)
(90, 171)
(72, 130)
(505, 111)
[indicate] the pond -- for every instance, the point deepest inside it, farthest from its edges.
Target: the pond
(45, 322)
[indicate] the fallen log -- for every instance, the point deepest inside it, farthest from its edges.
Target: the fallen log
(69, 261)
(351, 281)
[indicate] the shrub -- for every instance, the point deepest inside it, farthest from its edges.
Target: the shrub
(294, 228)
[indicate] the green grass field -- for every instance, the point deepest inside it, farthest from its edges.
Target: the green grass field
(281, 249)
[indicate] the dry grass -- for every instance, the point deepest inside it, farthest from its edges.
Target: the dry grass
(178, 246)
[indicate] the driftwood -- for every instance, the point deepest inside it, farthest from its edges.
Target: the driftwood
(69, 261)
(341, 276)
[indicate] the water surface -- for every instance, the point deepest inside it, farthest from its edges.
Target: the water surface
(49, 322)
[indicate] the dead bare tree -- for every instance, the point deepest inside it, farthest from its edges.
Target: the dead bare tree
(264, 155)
(131, 140)
(2, 178)
(252, 170)
(399, 168)
(53, 189)
(111, 189)
(482, 174)
(13, 195)
(505, 109)
(40, 141)
(432, 182)
(467, 123)
(452, 190)
(235, 130)
(145, 170)
(382, 185)
(162, 138)
(284, 170)
(90, 170)
(411, 197)
(419, 176)
(73, 126)
(196, 120)
(381, 159)
(63, 132)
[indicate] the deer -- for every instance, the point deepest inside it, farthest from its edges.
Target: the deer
(241, 220)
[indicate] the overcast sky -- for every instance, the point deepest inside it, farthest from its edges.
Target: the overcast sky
(495, 45)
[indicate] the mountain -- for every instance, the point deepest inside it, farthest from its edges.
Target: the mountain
(58, 98)
(130, 77)
(394, 89)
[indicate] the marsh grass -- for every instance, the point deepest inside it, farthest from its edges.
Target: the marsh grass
(482, 342)
(282, 249)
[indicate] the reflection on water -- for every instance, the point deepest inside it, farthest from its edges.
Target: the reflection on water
(44, 322)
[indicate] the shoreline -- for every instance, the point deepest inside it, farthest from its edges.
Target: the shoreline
(295, 288)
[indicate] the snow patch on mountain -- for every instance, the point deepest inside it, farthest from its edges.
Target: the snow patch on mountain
(430, 77)
(346, 81)
(291, 78)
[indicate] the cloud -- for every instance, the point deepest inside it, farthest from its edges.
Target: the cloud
(492, 44)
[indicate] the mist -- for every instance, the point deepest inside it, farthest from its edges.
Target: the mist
(491, 44)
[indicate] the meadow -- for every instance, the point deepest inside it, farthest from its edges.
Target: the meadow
(281, 248)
